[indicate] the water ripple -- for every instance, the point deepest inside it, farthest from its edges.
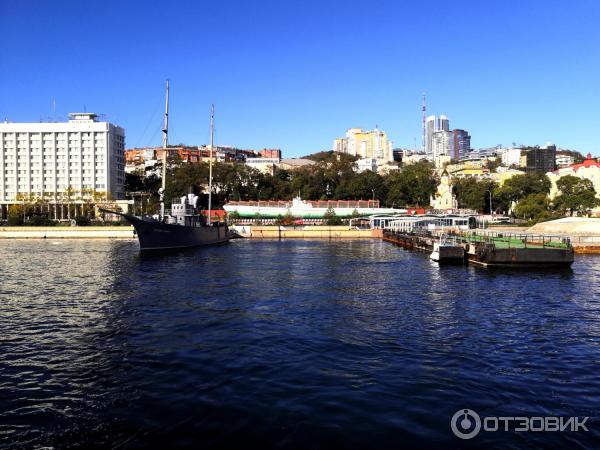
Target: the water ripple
(287, 344)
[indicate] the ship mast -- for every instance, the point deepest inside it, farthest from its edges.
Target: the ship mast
(165, 142)
(210, 161)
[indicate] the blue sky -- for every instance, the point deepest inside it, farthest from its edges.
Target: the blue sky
(296, 74)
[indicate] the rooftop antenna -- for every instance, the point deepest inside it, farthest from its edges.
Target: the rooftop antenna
(424, 111)
(54, 110)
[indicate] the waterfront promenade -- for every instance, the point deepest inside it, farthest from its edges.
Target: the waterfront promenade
(581, 243)
(108, 232)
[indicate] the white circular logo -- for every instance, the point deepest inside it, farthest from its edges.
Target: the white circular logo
(465, 423)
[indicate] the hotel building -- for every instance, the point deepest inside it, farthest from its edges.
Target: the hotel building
(78, 160)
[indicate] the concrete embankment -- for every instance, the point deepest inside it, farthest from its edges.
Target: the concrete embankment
(120, 232)
(584, 232)
(304, 232)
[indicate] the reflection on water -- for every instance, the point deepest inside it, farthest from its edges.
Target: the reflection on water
(292, 343)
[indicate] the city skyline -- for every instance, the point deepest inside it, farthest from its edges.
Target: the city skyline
(274, 71)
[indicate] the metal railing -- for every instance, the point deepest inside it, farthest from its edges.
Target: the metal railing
(501, 239)
(495, 238)
(585, 240)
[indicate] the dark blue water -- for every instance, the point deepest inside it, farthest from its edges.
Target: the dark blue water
(311, 344)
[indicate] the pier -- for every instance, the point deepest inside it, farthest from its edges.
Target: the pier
(492, 248)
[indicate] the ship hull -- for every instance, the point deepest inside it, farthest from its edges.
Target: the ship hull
(155, 236)
(162, 236)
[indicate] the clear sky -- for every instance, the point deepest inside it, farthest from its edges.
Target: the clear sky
(296, 74)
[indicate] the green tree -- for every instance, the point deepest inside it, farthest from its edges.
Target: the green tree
(366, 185)
(331, 218)
(473, 194)
(413, 185)
(311, 182)
(39, 220)
(134, 181)
(15, 215)
(534, 207)
(82, 220)
(281, 184)
(576, 195)
(330, 156)
(183, 177)
(519, 187)
(493, 164)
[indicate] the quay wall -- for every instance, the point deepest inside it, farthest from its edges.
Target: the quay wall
(120, 232)
(307, 232)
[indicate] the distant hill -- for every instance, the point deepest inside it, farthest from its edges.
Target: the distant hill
(328, 156)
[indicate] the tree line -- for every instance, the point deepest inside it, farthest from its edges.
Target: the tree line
(329, 178)
(527, 196)
(333, 177)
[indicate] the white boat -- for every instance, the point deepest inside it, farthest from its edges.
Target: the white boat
(447, 250)
(303, 209)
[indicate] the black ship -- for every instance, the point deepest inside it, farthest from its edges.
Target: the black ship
(180, 228)
(183, 226)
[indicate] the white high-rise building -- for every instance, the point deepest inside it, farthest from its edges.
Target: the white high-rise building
(82, 159)
(511, 156)
(434, 124)
(442, 144)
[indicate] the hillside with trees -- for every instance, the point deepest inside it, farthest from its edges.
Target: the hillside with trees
(330, 178)
(334, 177)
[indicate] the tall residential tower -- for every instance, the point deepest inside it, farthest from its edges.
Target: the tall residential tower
(462, 144)
(365, 144)
(434, 124)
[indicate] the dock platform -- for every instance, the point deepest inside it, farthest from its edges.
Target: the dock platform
(494, 248)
